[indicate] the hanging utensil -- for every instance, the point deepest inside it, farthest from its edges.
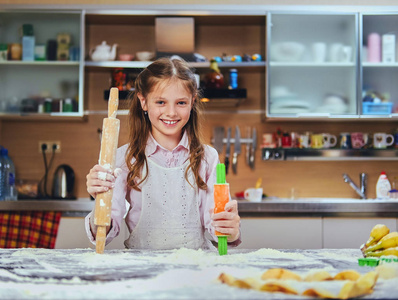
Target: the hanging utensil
(227, 150)
(237, 149)
(218, 138)
(253, 148)
(248, 145)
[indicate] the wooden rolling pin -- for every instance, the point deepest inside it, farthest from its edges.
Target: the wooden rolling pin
(107, 159)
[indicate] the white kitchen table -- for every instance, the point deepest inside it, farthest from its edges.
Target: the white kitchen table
(174, 274)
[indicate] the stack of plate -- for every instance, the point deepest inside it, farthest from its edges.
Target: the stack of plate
(285, 102)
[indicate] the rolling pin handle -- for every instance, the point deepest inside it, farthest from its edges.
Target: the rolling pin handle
(100, 239)
(113, 102)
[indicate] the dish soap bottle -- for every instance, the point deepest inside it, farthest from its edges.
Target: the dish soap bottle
(383, 186)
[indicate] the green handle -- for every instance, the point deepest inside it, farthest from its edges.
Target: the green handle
(222, 245)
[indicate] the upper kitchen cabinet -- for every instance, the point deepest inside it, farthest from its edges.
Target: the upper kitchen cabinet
(312, 65)
(41, 74)
(209, 34)
(379, 66)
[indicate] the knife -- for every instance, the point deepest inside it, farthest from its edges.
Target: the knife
(253, 148)
(248, 145)
(218, 139)
(236, 150)
(227, 150)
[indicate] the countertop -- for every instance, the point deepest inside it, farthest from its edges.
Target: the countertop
(173, 274)
(305, 207)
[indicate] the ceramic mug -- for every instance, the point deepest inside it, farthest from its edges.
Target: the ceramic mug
(304, 141)
(357, 140)
(317, 141)
(254, 195)
(335, 52)
(295, 139)
(319, 52)
(329, 140)
(268, 140)
(345, 140)
(382, 140)
(286, 141)
(346, 54)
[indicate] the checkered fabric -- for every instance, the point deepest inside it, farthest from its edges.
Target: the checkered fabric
(31, 229)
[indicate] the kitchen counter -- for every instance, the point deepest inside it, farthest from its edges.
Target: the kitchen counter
(173, 274)
(70, 208)
(306, 207)
(319, 207)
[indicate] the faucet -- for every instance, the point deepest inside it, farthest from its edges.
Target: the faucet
(363, 183)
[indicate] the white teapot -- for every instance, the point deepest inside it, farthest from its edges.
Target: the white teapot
(103, 52)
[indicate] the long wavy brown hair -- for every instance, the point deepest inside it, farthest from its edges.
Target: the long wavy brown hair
(161, 71)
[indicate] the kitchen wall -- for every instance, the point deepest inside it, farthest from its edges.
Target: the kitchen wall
(80, 140)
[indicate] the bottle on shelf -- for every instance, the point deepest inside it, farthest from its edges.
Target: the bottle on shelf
(8, 177)
(233, 79)
(214, 79)
(383, 186)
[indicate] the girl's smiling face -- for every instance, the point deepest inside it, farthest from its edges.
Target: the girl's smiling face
(169, 108)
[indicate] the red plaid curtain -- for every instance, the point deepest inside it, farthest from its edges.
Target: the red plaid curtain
(31, 229)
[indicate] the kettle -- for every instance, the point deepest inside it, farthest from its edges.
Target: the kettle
(63, 183)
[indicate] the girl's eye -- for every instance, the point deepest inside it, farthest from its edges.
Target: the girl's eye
(160, 102)
(182, 102)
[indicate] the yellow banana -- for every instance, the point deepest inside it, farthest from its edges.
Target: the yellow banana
(388, 251)
(378, 231)
(388, 241)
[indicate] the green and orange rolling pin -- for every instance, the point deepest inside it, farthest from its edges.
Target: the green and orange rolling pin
(221, 198)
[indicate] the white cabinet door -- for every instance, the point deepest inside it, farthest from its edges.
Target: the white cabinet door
(281, 233)
(72, 234)
(351, 232)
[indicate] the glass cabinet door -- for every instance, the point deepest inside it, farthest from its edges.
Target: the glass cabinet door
(379, 66)
(52, 70)
(312, 65)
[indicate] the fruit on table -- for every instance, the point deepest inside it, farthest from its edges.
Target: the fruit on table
(388, 241)
(381, 242)
(385, 252)
(378, 232)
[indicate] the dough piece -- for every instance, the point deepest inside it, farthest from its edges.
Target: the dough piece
(347, 275)
(318, 276)
(387, 271)
(248, 283)
(278, 273)
(319, 292)
(363, 286)
(278, 286)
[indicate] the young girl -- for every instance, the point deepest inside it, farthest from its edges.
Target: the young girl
(165, 173)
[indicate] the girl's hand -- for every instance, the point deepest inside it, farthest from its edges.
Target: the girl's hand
(100, 180)
(228, 221)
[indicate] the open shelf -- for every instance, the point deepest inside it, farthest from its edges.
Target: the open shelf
(216, 97)
(328, 154)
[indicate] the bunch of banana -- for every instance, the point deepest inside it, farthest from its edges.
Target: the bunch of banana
(378, 231)
(381, 242)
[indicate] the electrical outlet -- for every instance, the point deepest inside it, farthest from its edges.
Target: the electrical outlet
(49, 146)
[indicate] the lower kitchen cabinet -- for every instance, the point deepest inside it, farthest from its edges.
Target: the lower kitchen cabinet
(72, 234)
(281, 233)
(351, 232)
